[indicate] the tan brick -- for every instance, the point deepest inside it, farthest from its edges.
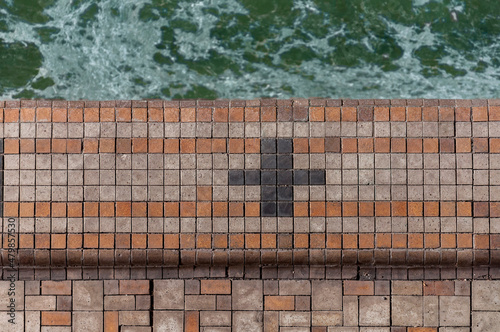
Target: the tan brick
(168, 294)
(133, 318)
(400, 287)
(326, 295)
(294, 287)
(168, 321)
(56, 318)
(357, 287)
(431, 311)
(32, 320)
(45, 302)
(247, 321)
(279, 303)
(56, 287)
(407, 310)
(136, 329)
(271, 321)
(215, 318)
(88, 321)
(133, 287)
(88, 295)
(350, 310)
(200, 302)
(454, 311)
(326, 318)
(374, 311)
(247, 295)
(119, 302)
(216, 287)
(295, 318)
(55, 329)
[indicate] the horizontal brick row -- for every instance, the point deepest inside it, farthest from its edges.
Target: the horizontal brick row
(251, 145)
(256, 241)
(134, 258)
(287, 111)
(251, 209)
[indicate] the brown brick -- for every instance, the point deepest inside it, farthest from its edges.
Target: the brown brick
(192, 321)
(215, 287)
(56, 287)
(441, 288)
(134, 287)
(357, 287)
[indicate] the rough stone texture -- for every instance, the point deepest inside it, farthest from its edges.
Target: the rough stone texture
(90, 321)
(326, 295)
(168, 294)
(248, 321)
(247, 295)
(485, 295)
(374, 311)
(454, 311)
(407, 310)
(168, 321)
(485, 321)
(88, 295)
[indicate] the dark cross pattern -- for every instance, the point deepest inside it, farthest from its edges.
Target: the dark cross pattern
(276, 177)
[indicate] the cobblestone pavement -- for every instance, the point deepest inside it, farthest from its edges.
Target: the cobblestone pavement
(250, 215)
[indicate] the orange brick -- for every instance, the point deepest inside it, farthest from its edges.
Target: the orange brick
(107, 145)
(58, 210)
(333, 209)
(236, 114)
(317, 145)
(431, 209)
(204, 193)
(383, 209)
(155, 114)
(381, 113)
(300, 209)
(11, 115)
(279, 303)
(236, 209)
(11, 209)
(431, 145)
(398, 241)
(215, 286)
(75, 210)
(431, 240)
(221, 115)
(398, 114)
(252, 209)
(171, 209)
(106, 241)
(494, 145)
(268, 114)
(463, 145)
(480, 144)
(134, 287)
(349, 241)
(187, 209)
(446, 114)
(139, 209)
(219, 209)
(139, 145)
(123, 114)
(111, 321)
(91, 209)
(252, 241)
(481, 241)
(204, 241)
(90, 145)
(440, 288)
(218, 145)
(43, 114)
(382, 145)
(60, 318)
(236, 145)
(26, 241)
(462, 114)
(27, 115)
(398, 145)
(155, 241)
(365, 145)
(348, 113)
(42, 209)
(74, 241)
(349, 145)
(383, 240)
(414, 114)
(122, 241)
(494, 241)
(139, 114)
(123, 209)
(107, 114)
(27, 209)
(480, 113)
(334, 241)
(317, 209)
(58, 241)
(172, 115)
(171, 145)
(415, 209)
(11, 146)
(430, 114)
(220, 241)
(447, 209)
(139, 241)
(300, 145)
(91, 115)
(366, 241)
(58, 145)
(464, 209)
(252, 145)
(27, 145)
(399, 209)
(252, 114)
(236, 241)
(358, 287)
(414, 145)
(155, 209)
(464, 240)
(192, 321)
(91, 240)
(155, 145)
(301, 240)
(187, 145)
(448, 241)
(349, 209)
(203, 145)
(188, 115)
(494, 209)
(171, 241)
(317, 240)
(56, 287)
(332, 113)
(366, 209)
(75, 115)
(317, 114)
(74, 145)
(415, 240)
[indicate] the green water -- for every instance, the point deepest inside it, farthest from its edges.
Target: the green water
(132, 49)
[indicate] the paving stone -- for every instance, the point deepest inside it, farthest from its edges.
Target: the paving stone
(46, 302)
(326, 318)
(120, 302)
(407, 310)
(168, 321)
(88, 295)
(431, 311)
(350, 310)
(247, 295)
(294, 287)
(248, 321)
(485, 321)
(295, 318)
(133, 318)
(374, 311)
(271, 321)
(91, 321)
(486, 295)
(454, 311)
(200, 302)
(326, 294)
(168, 294)
(215, 318)
(400, 287)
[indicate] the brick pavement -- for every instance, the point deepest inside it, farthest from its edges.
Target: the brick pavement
(282, 215)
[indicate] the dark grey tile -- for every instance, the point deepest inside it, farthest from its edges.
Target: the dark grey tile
(285, 161)
(252, 177)
(268, 193)
(268, 161)
(317, 176)
(301, 176)
(285, 193)
(268, 177)
(285, 177)
(268, 145)
(268, 209)
(1, 145)
(285, 209)
(285, 145)
(236, 177)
